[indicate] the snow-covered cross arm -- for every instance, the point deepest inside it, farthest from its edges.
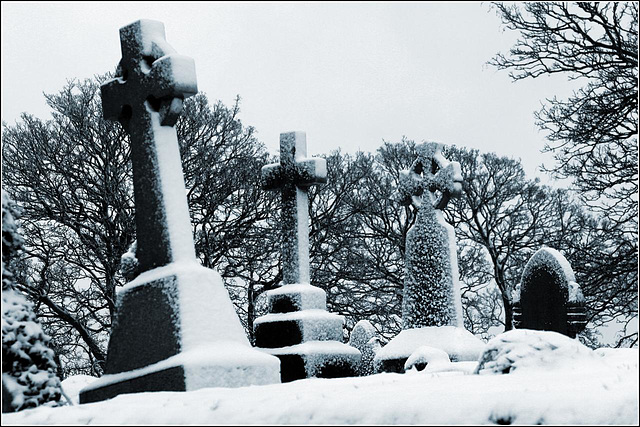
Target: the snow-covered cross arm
(430, 172)
(293, 175)
(150, 70)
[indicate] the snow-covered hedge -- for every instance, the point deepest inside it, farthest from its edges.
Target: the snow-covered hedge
(28, 367)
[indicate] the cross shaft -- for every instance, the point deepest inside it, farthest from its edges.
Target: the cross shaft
(146, 98)
(293, 176)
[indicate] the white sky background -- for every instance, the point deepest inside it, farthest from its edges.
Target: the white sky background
(348, 74)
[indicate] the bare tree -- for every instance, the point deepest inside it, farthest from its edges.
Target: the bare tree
(594, 133)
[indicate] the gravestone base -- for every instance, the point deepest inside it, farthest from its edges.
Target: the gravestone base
(222, 365)
(320, 359)
(287, 329)
(176, 330)
(297, 297)
(459, 344)
(303, 335)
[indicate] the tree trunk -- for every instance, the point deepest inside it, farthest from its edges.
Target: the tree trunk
(508, 314)
(251, 315)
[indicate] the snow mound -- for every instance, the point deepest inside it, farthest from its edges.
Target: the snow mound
(537, 396)
(427, 357)
(73, 384)
(458, 343)
(526, 349)
(622, 358)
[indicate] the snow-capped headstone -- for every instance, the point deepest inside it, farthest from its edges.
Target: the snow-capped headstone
(548, 297)
(431, 297)
(298, 329)
(365, 338)
(175, 326)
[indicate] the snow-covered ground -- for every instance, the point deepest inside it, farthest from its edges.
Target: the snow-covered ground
(599, 388)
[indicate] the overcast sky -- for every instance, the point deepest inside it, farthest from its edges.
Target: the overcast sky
(348, 74)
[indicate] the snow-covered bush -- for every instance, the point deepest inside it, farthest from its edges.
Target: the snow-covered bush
(129, 263)
(11, 239)
(526, 348)
(28, 367)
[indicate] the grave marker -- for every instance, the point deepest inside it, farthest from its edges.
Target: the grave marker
(431, 289)
(298, 329)
(431, 304)
(175, 326)
(549, 299)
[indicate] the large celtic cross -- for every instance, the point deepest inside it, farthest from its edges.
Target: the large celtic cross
(293, 176)
(146, 98)
(431, 177)
(431, 294)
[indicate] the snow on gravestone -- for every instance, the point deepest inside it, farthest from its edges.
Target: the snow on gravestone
(431, 297)
(175, 326)
(548, 297)
(298, 329)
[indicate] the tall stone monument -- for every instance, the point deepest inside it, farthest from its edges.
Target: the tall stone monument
(431, 304)
(298, 329)
(548, 297)
(175, 327)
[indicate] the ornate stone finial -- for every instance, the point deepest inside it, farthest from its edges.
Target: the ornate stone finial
(433, 174)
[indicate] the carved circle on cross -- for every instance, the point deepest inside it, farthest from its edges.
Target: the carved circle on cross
(431, 179)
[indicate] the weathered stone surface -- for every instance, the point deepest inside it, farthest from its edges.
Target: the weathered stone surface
(431, 289)
(292, 176)
(298, 330)
(175, 326)
(321, 359)
(548, 297)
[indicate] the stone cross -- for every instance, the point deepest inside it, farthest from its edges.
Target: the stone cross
(430, 172)
(431, 289)
(293, 176)
(298, 329)
(175, 327)
(152, 78)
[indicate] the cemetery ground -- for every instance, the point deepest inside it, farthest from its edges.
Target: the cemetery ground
(602, 389)
(178, 353)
